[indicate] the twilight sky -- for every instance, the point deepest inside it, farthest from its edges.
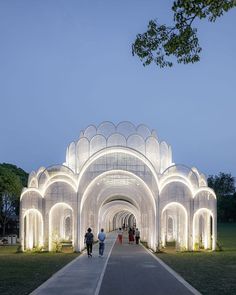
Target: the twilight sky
(65, 64)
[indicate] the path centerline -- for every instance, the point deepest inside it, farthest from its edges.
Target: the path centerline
(124, 268)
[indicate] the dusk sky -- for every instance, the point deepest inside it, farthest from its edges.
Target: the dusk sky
(66, 64)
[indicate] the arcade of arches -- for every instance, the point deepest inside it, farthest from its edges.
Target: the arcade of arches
(115, 175)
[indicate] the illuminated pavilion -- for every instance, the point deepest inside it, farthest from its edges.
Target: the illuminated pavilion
(115, 175)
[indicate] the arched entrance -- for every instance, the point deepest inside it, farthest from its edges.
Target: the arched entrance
(60, 224)
(174, 225)
(117, 175)
(33, 229)
(118, 213)
(115, 198)
(203, 229)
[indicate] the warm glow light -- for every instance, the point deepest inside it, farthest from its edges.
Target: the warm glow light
(205, 189)
(58, 205)
(124, 150)
(113, 207)
(30, 224)
(96, 179)
(210, 214)
(184, 181)
(58, 180)
(186, 218)
(28, 190)
(91, 192)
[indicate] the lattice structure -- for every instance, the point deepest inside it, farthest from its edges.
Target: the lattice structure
(114, 176)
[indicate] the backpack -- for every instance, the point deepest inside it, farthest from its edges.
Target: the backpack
(89, 238)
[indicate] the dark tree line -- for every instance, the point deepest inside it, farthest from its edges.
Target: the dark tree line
(224, 187)
(12, 180)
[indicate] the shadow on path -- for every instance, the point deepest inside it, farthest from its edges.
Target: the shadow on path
(124, 269)
(132, 269)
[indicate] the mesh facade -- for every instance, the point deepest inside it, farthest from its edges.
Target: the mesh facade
(113, 176)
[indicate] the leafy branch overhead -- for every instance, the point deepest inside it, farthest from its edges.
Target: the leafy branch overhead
(161, 42)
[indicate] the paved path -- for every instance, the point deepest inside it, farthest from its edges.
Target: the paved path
(133, 269)
(82, 276)
(124, 269)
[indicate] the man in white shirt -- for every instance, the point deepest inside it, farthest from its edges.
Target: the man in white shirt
(101, 238)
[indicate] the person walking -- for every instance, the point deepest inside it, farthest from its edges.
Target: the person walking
(101, 238)
(131, 236)
(120, 235)
(137, 236)
(88, 238)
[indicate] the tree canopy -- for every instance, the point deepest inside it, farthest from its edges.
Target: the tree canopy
(222, 184)
(12, 180)
(161, 42)
(224, 187)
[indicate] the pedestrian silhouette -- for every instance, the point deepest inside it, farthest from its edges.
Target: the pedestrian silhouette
(101, 238)
(137, 236)
(88, 239)
(120, 235)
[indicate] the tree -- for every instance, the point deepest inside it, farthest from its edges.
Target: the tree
(180, 40)
(18, 171)
(222, 184)
(12, 180)
(224, 187)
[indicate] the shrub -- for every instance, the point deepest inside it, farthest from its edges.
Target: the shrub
(56, 243)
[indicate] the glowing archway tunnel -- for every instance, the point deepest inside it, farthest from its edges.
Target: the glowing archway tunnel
(118, 175)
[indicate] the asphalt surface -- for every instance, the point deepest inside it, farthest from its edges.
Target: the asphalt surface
(132, 270)
(124, 269)
(82, 276)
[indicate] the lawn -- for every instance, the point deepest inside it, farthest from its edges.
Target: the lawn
(209, 272)
(21, 273)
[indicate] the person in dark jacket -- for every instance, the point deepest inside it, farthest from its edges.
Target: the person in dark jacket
(131, 236)
(89, 241)
(137, 235)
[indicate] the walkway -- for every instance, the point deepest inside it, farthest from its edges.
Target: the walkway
(130, 268)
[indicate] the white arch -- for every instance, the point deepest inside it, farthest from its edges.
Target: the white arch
(172, 178)
(120, 216)
(123, 150)
(186, 218)
(33, 180)
(87, 132)
(116, 206)
(32, 209)
(28, 190)
(120, 195)
(102, 128)
(213, 225)
(120, 140)
(118, 172)
(128, 125)
(40, 235)
(50, 221)
(112, 209)
(147, 192)
(205, 189)
(140, 130)
(51, 181)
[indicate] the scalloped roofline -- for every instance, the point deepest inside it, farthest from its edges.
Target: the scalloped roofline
(116, 126)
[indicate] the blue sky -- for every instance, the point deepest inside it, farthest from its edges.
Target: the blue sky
(66, 64)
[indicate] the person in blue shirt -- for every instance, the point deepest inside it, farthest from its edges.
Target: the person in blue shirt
(101, 238)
